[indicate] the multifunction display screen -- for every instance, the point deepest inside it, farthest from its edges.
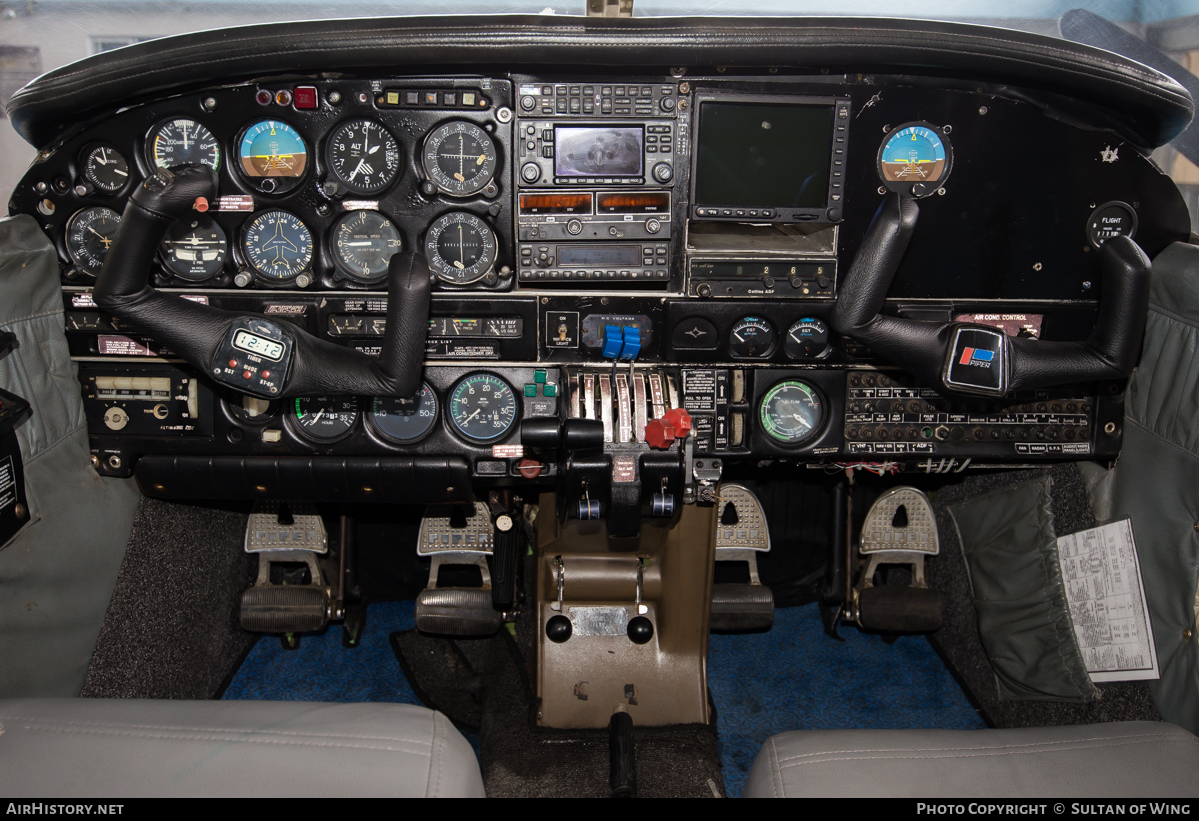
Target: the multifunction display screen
(763, 155)
(598, 151)
(599, 254)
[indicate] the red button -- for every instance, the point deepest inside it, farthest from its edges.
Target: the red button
(529, 468)
(266, 374)
(305, 97)
(246, 375)
(232, 363)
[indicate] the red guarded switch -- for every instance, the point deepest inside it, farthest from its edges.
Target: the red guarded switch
(680, 420)
(659, 433)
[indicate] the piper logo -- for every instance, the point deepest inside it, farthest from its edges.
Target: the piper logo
(976, 357)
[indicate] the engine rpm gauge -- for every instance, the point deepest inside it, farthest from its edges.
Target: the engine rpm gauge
(791, 412)
(272, 155)
(460, 247)
(363, 156)
(482, 407)
(363, 244)
(106, 168)
(915, 159)
(751, 338)
(181, 141)
(403, 421)
(323, 419)
(194, 249)
(459, 158)
(277, 245)
(90, 233)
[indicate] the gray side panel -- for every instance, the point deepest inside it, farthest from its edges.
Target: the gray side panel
(1011, 549)
(56, 576)
(1157, 478)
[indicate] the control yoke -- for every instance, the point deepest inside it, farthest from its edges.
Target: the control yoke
(981, 360)
(251, 352)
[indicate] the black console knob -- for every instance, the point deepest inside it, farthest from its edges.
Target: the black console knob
(558, 629)
(640, 630)
(663, 172)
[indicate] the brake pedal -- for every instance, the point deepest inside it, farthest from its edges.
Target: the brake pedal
(286, 533)
(741, 534)
(899, 529)
(456, 611)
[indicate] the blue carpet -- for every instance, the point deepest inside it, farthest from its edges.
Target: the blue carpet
(796, 678)
(791, 678)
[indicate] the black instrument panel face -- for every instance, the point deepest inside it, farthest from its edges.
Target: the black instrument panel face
(307, 156)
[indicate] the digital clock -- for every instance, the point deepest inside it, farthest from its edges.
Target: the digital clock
(246, 341)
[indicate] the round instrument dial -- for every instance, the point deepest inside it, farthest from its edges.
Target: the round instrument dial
(806, 339)
(460, 247)
(106, 168)
(404, 421)
(90, 233)
(363, 244)
(194, 248)
(459, 158)
(791, 412)
(483, 407)
(277, 245)
(182, 141)
(363, 156)
(751, 338)
(273, 156)
(324, 419)
(915, 159)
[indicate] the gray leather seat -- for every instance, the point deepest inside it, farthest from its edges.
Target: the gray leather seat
(1129, 759)
(65, 748)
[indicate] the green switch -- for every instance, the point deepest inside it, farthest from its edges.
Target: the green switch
(530, 390)
(550, 390)
(539, 377)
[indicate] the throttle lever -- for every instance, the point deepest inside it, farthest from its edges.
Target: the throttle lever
(249, 352)
(979, 359)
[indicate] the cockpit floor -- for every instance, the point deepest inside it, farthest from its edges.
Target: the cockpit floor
(791, 678)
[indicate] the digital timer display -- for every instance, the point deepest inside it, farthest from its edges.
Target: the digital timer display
(246, 341)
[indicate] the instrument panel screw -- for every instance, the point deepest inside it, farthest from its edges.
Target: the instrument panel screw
(1109, 428)
(41, 188)
(682, 105)
(19, 510)
(504, 114)
(1036, 266)
(941, 191)
(685, 88)
(982, 109)
(209, 103)
(334, 97)
(362, 97)
(946, 129)
(96, 464)
(1086, 286)
(1196, 527)
(773, 70)
(882, 189)
(678, 71)
(1186, 634)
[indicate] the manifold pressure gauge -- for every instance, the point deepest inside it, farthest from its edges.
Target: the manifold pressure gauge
(915, 159)
(460, 247)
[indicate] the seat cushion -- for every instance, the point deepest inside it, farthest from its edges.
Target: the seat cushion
(60, 748)
(1129, 759)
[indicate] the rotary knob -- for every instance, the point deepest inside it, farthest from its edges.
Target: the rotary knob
(663, 172)
(652, 226)
(529, 172)
(574, 227)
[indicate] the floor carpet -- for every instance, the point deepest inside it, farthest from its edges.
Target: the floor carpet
(791, 678)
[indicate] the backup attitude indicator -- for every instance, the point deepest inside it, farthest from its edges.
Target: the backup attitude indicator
(915, 153)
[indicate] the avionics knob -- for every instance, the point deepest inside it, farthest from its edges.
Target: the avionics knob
(663, 172)
(529, 172)
(704, 290)
(652, 226)
(527, 103)
(574, 227)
